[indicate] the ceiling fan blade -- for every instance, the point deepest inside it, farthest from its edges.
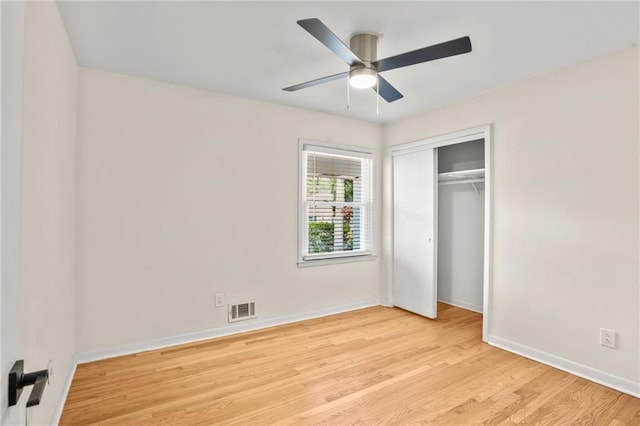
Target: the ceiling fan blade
(320, 31)
(316, 82)
(387, 91)
(431, 53)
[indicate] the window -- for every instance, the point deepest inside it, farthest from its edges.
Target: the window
(336, 203)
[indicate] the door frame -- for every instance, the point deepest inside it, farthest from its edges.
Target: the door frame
(12, 18)
(467, 135)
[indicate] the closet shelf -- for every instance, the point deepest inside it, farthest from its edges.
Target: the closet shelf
(464, 176)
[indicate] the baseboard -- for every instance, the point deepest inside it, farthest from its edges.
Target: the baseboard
(614, 382)
(461, 304)
(55, 420)
(227, 330)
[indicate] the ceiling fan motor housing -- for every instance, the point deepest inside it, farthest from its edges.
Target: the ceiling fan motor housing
(365, 46)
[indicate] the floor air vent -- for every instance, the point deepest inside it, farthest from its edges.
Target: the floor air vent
(242, 311)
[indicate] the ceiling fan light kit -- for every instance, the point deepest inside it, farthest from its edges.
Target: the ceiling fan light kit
(363, 78)
(364, 66)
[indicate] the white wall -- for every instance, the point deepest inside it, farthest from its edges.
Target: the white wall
(565, 210)
(183, 194)
(48, 210)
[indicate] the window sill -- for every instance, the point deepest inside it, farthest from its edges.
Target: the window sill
(336, 260)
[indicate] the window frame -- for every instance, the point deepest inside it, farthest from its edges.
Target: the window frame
(341, 256)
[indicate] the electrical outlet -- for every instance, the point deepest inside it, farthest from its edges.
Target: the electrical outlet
(608, 338)
(219, 300)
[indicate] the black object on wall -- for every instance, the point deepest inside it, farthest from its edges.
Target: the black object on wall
(18, 380)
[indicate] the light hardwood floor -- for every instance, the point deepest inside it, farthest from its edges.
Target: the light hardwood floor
(371, 366)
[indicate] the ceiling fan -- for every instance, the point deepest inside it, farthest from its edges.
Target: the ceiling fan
(365, 67)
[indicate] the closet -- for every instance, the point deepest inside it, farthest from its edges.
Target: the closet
(438, 224)
(460, 200)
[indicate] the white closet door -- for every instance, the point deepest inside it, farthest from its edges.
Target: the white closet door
(414, 239)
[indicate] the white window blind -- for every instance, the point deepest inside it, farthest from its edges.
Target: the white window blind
(336, 203)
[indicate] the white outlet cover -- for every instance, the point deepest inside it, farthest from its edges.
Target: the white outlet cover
(219, 300)
(608, 338)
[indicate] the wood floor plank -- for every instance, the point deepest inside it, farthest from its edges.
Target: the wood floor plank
(372, 366)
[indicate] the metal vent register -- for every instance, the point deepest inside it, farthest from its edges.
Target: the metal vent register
(242, 311)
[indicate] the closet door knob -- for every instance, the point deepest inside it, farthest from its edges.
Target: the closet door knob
(429, 239)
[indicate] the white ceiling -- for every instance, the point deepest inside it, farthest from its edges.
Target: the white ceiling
(254, 49)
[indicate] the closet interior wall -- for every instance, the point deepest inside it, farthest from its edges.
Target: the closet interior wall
(461, 228)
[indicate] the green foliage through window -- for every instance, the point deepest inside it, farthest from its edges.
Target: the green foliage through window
(348, 190)
(320, 237)
(347, 229)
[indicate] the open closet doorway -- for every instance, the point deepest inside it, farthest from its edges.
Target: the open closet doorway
(440, 223)
(461, 199)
